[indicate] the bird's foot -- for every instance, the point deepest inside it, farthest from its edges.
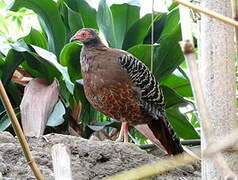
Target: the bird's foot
(167, 155)
(119, 139)
(123, 135)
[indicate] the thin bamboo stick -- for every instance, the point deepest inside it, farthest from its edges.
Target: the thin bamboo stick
(208, 12)
(19, 133)
(159, 167)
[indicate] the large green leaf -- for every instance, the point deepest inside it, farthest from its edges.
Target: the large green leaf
(36, 38)
(138, 31)
(63, 10)
(178, 83)
(14, 93)
(44, 62)
(195, 120)
(87, 13)
(158, 28)
(2, 109)
(181, 125)
(169, 55)
(106, 25)
(172, 20)
(75, 21)
(5, 122)
(70, 57)
(50, 20)
(142, 52)
(171, 98)
(12, 61)
(56, 117)
(49, 58)
(124, 16)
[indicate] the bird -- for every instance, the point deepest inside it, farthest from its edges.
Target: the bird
(121, 86)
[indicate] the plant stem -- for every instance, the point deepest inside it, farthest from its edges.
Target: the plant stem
(19, 133)
(152, 38)
(208, 12)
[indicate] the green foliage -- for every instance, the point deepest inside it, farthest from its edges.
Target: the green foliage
(49, 18)
(56, 117)
(36, 38)
(48, 54)
(5, 121)
(70, 57)
(138, 32)
(181, 125)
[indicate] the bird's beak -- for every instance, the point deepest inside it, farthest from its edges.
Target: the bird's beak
(72, 39)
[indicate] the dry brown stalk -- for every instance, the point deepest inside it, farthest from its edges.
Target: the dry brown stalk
(159, 167)
(208, 12)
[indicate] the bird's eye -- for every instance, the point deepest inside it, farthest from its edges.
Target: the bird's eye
(83, 34)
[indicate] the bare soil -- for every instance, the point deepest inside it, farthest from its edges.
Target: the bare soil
(91, 159)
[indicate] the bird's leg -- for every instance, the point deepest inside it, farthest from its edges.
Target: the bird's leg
(120, 137)
(126, 126)
(123, 135)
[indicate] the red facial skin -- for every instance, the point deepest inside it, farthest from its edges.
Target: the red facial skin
(82, 35)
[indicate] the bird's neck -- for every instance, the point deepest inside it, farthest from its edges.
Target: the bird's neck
(95, 43)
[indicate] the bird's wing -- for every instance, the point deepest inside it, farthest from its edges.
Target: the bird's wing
(149, 93)
(158, 130)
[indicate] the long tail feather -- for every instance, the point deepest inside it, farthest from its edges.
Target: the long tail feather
(160, 132)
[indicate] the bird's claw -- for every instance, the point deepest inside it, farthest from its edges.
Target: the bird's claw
(119, 140)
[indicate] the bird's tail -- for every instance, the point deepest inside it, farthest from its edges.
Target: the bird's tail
(160, 132)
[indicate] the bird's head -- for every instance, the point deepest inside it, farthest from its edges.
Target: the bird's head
(86, 36)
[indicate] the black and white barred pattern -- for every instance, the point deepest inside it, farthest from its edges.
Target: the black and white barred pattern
(151, 97)
(141, 76)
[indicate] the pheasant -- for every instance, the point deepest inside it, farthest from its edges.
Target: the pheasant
(122, 87)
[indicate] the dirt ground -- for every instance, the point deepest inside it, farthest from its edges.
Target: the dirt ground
(91, 159)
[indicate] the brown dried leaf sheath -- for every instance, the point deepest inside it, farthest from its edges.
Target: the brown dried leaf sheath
(37, 104)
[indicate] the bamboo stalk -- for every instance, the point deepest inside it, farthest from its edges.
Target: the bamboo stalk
(61, 162)
(19, 133)
(188, 49)
(208, 12)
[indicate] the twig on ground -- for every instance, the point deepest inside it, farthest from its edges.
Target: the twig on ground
(61, 162)
(192, 142)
